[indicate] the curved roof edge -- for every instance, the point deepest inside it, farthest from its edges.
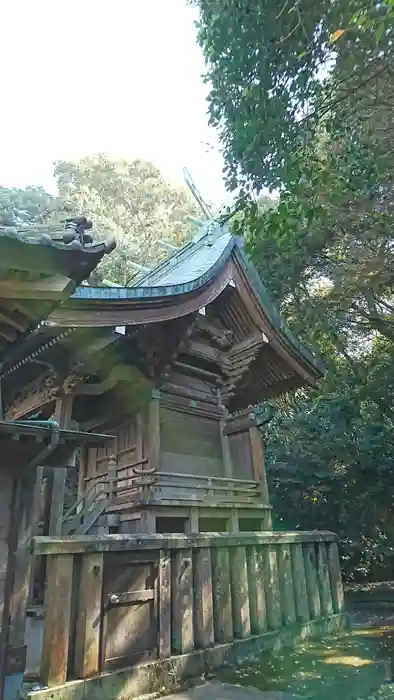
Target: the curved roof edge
(201, 261)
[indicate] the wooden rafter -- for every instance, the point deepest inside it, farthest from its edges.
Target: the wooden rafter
(52, 288)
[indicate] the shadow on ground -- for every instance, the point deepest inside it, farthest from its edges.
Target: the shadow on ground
(352, 666)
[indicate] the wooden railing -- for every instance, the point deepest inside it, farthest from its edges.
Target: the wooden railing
(207, 593)
(204, 489)
(134, 483)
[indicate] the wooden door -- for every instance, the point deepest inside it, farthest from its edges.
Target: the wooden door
(130, 623)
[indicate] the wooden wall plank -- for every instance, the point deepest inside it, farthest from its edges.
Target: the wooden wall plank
(182, 602)
(164, 594)
(299, 583)
(286, 585)
(312, 583)
(88, 628)
(203, 598)
(222, 609)
(271, 581)
(334, 569)
(240, 593)
(57, 620)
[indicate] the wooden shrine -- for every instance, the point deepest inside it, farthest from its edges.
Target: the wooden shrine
(171, 367)
(38, 270)
(161, 548)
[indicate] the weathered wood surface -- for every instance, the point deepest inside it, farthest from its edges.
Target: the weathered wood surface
(203, 599)
(222, 606)
(183, 598)
(164, 593)
(299, 582)
(240, 593)
(57, 620)
(258, 611)
(271, 580)
(87, 641)
(334, 569)
(116, 543)
(312, 583)
(182, 602)
(324, 580)
(286, 584)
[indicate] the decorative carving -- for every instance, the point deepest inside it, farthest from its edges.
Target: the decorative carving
(36, 394)
(223, 339)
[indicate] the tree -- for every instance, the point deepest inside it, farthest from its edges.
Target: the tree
(266, 65)
(301, 95)
(130, 201)
(26, 207)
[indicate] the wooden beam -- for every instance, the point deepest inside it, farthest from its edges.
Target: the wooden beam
(53, 288)
(8, 333)
(87, 640)
(14, 319)
(63, 409)
(54, 659)
(78, 544)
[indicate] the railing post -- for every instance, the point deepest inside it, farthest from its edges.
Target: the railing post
(274, 615)
(57, 620)
(222, 612)
(258, 612)
(324, 580)
(286, 584)
(182, 601)
(311, 580)
(334, 569)
(203, 598)
(240, 592)
(299, 582)
(164, 593)
(112, 478)
(87, 641)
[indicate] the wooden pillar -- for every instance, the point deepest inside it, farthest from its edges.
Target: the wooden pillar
(240, 593)
(271, 580)
(286, 584)
(192, 523)
(17, 585)
(154, 431)
(311, 580)
(222, 609)
(334, 569)
(62, 415)
(258, 613)
(299, 582)
(203, 599)
(228, 467)
(234, 521)
(87, 641)
(57, 620)
(257, 452)
(324, 580)
(182, 602)
(164, 594)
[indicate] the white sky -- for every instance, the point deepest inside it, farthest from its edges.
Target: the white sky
(118, 76)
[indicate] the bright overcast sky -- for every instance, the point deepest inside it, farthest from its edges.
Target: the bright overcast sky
(118, 76)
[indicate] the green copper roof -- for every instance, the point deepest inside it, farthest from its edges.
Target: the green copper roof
(191, 268)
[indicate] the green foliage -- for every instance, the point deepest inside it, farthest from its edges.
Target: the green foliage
(130, 201)
(302, 97)
(27, 207)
